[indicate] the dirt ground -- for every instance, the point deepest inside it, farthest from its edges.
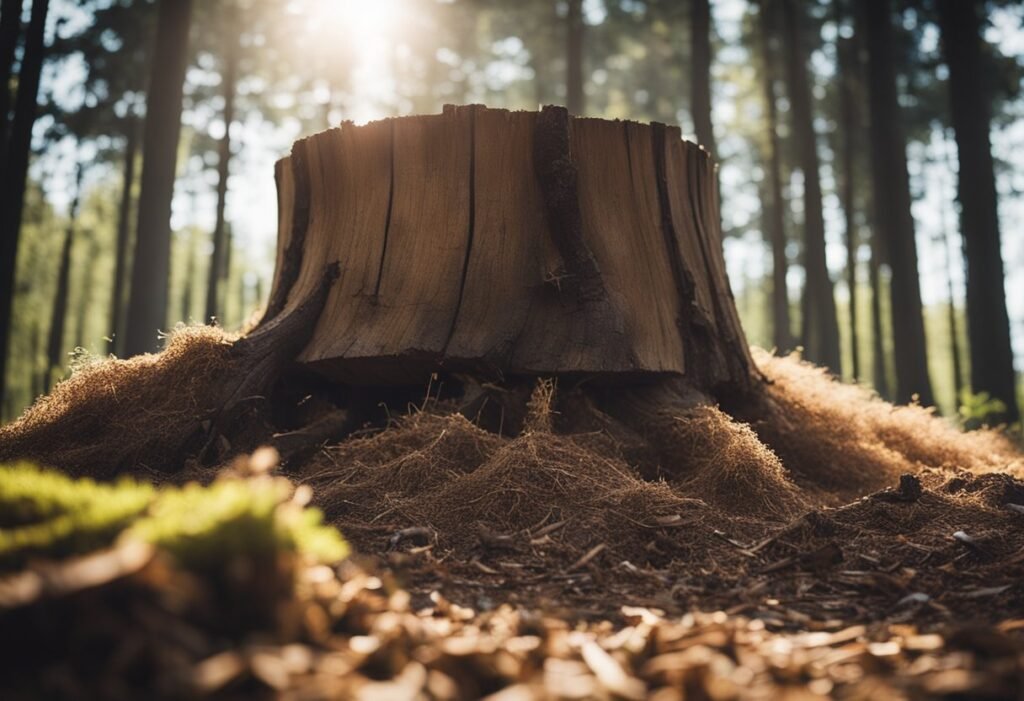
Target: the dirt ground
(811, 541)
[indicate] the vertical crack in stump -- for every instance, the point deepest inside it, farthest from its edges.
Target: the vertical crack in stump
(730, 335)
(291, 263)
(387, 218)
(503, 243)
(450, 109)
(559, 182)
(685, 286)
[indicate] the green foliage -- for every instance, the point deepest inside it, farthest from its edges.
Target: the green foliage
(980, 409)
(203, 526)
(45, 514)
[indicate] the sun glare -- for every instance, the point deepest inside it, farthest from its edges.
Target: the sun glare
(361, 38)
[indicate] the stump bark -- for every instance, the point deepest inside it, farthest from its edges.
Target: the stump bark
(498, 244)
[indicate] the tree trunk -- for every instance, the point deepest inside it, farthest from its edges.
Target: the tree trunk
(37, 380)
(490, 243)
(190, 273)
(228, 253)
(954, 335)
(820, 330)
(700, 76)
(848, 131)
(147, 304)
(879, 365)
(988, 325)
(131, 148)
(218, 263)
(58, 318)
(14, 173)
(10, 26)
(85, 295)
(891, 183)
(782, 336)
(880, 374)
(574, 97)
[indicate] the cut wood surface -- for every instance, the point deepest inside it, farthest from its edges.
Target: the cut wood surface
(500, 243)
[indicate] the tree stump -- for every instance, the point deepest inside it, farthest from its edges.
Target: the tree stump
(497, 244)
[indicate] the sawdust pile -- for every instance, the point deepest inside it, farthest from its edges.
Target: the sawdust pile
(840, 441)
(844, 542)
(114, 416)
(704, 452)
(700, 504)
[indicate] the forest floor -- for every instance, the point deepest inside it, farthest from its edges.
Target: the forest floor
(813, 542)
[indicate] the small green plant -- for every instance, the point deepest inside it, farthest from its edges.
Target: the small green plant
(47, 515)
(204, 526)
(980, 409)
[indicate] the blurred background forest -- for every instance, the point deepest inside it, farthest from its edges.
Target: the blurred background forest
(871, 159)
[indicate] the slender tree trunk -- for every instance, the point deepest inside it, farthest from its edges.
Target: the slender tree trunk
(880, 375)
(84, 300)
(575, 100)
(229, 252)
(190, 272)
(782, 336)
(10, 24)
(879, 365)
(954, 332)
(37, 381)
(14, 173)
(700, 78)
(124, 232)
(988, 324)
(147, 305)
(542, 40)
(58, 318)
(218, 271)
(539, 92)
(893, 219)
(848, 135)
(954, 336)
(820, 327)
(954, 346)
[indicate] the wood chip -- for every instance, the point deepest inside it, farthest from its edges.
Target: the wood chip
(270, 669)
(590, 555)
(610, 673)
(985, 591)
(216, 672)
(550, 528)
(483, 568)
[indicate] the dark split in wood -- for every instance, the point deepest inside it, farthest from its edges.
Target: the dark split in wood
(441, 265)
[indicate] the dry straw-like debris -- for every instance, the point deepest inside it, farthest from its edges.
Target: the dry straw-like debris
(846, 541)
(113, 415)
(349, 634)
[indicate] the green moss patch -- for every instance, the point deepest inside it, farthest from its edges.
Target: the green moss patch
(47, 515)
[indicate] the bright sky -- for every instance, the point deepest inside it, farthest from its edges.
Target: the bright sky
(372, 28)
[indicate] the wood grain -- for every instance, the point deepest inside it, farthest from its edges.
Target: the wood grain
(502, 243)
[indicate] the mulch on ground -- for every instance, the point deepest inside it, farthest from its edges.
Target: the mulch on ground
(811, 540)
